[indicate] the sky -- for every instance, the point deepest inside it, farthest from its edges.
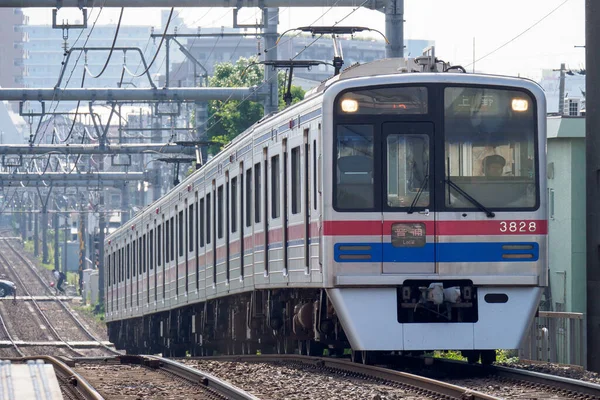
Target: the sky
(455, 26)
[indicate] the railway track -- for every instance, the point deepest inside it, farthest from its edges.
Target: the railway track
(324, 370)
(519, 381)
(135, 377)
(74, 328)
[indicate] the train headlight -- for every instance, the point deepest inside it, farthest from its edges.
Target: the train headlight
(349, 105)
(520, 105)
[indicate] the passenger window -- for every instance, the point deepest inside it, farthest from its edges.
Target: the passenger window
(407, 170)
(354, 188)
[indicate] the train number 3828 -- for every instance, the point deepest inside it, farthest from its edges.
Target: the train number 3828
(518, 226)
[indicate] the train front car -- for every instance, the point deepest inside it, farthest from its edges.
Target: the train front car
(435, 226)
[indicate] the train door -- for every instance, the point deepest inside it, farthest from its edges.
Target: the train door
(408, 225)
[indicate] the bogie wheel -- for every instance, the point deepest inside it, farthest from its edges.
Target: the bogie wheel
(488, 357)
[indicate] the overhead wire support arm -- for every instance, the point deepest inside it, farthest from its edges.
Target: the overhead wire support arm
(290, 64)
(124, 49)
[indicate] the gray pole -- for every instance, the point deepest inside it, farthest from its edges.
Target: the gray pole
(45, 258)
(102, 225)
(167, 48)
(592, 135)
(56, 244)
(394, 28)
(36, 229)
(64, 263)
(82, 222)
(201, 118)
(156, 181)
(270, 22)
(561, 91)
(23, 224)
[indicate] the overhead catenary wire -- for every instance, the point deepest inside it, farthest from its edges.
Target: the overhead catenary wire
(162, 39)
(520, 34)
(112, 48)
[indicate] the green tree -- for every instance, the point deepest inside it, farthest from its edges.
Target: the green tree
(229, 119)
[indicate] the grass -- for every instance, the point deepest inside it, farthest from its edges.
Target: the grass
(502, 356)
(72, 277)
(95, 312)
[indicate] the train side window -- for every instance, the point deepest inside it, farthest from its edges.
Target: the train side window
(159, 245)
(120, 269)
(167, 238)
(201, 222)
(109, 268)
(172, 237)
(140, 256)
(144, 257)
(220, 212)
(191, 227)
(257, 193)
(275, 187)
(248, 197)
(234, 190)
(128, 261)
(180, 233)
(135, 259)
(151, 248)
(314, 167)
(296, 192)
(208, 218)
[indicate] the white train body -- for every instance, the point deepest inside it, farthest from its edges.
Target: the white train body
(359, 202)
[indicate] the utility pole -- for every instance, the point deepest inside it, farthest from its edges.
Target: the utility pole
(36, 229)
(56, 245)
(45, 258)
(394, 28)
(270, 22)
(592, 136)
(64, 263)
(561, 89)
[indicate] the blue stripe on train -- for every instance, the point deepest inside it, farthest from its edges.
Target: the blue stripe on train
(446, 252)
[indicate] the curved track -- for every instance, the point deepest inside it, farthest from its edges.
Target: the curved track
(153, 377)
(37, 283)
(411, 384)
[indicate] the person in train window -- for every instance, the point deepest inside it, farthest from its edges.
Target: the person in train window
(493, 165)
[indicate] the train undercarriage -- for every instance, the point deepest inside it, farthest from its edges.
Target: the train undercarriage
(284, 321)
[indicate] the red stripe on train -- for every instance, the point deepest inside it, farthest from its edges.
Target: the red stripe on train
(443, 228)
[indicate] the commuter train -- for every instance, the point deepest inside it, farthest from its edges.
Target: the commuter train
(398, 208)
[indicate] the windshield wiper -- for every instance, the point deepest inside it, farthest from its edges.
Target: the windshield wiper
(467, 196)
(411, 209)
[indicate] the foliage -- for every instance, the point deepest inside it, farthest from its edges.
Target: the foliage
(229, 119)
(502, 356)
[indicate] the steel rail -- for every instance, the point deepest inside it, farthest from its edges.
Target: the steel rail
(416, 382)
(64, 306)
(200, 377)
(549, 381)
(76, 382)
(39, 309)
(8, 335)
(566, 384)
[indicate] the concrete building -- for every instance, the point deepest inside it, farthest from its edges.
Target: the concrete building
(567, 218)
(210, 51)
(12, 40)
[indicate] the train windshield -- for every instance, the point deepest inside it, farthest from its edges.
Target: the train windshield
(490, 148)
